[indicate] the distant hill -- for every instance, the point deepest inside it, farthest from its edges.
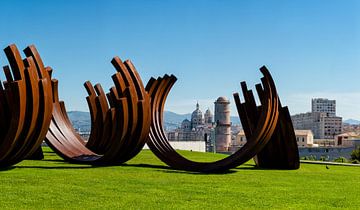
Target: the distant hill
(173, 120)
(81, 120)
(352, 122)
(172, 117)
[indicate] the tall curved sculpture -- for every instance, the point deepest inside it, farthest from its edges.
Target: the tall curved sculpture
(281, 152)
(261, 133)
(120, 121)
(25, 105)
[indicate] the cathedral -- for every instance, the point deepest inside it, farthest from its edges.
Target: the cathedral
(198, 120)
(201, 127)
(198, 128)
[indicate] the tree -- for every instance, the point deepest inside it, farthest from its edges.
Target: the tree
(355, 155)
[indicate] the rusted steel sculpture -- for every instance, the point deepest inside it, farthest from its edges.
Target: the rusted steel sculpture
(262, 122)
(25, 105)
(281, 152)
(126, 118)
(120, 121)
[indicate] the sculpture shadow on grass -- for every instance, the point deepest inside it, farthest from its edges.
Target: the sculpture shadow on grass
(168, 169)
(58, 167)
(7, 168)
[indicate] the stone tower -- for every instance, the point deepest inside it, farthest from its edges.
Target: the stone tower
(223, 124)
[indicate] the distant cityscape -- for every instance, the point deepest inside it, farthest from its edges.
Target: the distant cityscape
(320, 133)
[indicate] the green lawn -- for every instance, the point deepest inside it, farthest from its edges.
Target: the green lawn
(145, 184)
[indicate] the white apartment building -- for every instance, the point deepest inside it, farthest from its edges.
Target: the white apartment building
(324, 105)
(322, 125)
(322, 121)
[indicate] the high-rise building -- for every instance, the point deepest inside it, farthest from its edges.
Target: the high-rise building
(322, 121)
(322, 125)
(324, 105)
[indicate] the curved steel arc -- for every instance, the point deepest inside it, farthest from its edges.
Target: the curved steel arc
(159, 144)
(25, 107)
(120, 121)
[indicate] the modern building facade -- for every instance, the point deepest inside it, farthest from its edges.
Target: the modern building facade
(323, 126)
(324, 105)
(322, 121)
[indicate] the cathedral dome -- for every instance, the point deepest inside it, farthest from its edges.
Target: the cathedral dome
(197, 113)
(185, 121)
(197, 117)
(186, 125)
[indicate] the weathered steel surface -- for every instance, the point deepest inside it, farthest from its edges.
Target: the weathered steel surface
(120, 121)
(25, 106)
(281, 152)
(261, 131)
(126, 118)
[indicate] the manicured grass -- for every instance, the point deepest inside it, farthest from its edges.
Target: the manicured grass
(54, 184)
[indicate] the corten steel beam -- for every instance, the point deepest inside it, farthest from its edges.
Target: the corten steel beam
(25, 106)
(281, 152)
(261, 132)
(120, 121)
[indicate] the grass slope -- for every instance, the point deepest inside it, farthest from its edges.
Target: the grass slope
(54, 184)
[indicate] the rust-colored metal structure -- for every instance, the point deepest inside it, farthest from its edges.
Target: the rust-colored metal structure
(126, 118)
(120, 121)
(25, 105)
(281, 151)
(262, 126)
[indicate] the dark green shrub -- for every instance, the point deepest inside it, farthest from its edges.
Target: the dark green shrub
(341, 160)
(355, 155)
(355, 161)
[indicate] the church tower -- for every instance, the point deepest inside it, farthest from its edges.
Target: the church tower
(208, 117)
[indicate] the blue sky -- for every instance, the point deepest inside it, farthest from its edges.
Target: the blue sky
(312, 48)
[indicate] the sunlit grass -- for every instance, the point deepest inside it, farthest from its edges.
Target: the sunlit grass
(145, 183)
